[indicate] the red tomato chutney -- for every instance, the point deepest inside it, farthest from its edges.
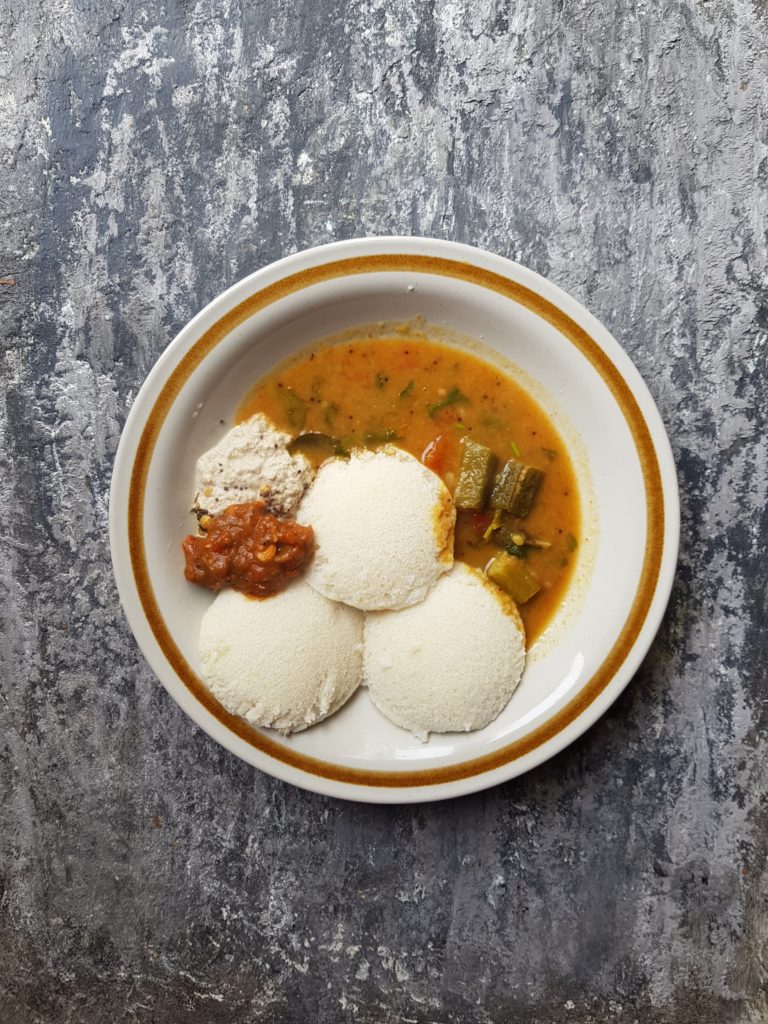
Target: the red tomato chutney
(248, 549)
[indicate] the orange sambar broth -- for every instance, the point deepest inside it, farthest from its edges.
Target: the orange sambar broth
(372, 387)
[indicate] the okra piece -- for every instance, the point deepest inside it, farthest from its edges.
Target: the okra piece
(514, 577)
(527, 485)
(475, 472)
(503, 491)
(515, 488)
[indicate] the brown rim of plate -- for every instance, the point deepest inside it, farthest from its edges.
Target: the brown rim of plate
(402, 263)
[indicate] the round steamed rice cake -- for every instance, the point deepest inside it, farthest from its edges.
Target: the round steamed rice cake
(449, 664)
(383, 527)
(286, 661)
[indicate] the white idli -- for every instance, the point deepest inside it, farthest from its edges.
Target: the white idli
(285, 661)
(449, 664)
(383, 527)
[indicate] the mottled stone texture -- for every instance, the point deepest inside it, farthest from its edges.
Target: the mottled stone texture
(151, 155)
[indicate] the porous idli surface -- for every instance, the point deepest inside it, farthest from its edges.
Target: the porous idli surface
(286, 661)
(449, 664)
(383, 527)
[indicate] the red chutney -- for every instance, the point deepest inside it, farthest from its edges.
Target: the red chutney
(248, 549)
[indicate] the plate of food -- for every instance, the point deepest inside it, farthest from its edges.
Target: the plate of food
(394, 519)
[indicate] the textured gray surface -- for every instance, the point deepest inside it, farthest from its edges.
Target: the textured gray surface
(151, 155)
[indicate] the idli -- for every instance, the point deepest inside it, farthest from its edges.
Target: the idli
(449, 664)
(383, 527)
(286, 661)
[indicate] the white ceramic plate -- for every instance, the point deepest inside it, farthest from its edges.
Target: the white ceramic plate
(577, 371)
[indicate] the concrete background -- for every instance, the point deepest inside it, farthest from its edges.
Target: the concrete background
(151, 155)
